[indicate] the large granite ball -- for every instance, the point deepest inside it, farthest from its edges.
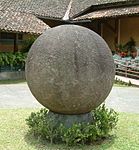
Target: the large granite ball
(70, 69)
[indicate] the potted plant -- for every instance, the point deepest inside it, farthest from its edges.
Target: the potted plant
(121, 50)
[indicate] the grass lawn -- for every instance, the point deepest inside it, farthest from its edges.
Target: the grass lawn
(121, 85)
(13, 134)
(12, 81)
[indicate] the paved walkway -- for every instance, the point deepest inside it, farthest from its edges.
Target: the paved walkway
(122, 99)
(17, 96)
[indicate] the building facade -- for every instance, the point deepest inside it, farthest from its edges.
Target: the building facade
(115, 20)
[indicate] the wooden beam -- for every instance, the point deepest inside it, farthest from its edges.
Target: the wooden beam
(117, 31)
(101, 29)
(98, 27)
(16, 43)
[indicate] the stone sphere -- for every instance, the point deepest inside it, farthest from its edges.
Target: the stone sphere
(70, 69)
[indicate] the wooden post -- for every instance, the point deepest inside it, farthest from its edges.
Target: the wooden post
(16, 43)
(126, 69)
(117, 31)
(101, 29)
(98, 27)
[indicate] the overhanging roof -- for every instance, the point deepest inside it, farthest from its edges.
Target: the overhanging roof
(111, 12)
(80, 6)
(21, 22)
(53, 8)
(56, 9)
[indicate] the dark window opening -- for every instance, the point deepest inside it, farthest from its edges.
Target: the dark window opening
(8, 38)
(5, 35)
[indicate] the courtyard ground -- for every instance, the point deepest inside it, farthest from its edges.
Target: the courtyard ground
(14, 131)
(122, 99)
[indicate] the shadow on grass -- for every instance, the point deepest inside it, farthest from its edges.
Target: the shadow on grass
(39, 144)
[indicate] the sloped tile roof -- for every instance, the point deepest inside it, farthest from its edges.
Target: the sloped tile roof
(21, 22)
(80, 5)
(51, 8)
(112, 12)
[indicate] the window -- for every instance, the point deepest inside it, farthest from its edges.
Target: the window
(8, 38)
(5, 35)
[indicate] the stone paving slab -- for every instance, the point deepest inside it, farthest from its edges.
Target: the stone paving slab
(122, 99)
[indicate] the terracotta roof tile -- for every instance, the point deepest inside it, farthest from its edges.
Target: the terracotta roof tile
(112, 12)
(51, 8)
(21, 22)
(80, 5)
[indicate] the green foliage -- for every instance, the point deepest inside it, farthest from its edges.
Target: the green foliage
(120, 82)
(20, 59)
(83, 133)
(129, 46)
(104, 120)
(120, 47)
(13, 59)
(28, 43)
(129, 83)
(36, 121)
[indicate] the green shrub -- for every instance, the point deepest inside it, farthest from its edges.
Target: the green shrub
(120, 82)
(17, 59)
(20, 59)
(84, 133)
(105, 119)
(36, 121)
(28, 43)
